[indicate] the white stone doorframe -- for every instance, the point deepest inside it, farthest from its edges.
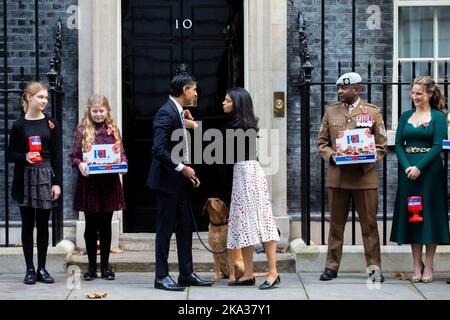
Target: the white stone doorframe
(265, 34)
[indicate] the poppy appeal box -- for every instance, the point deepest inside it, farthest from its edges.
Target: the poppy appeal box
(104, 158)
(355, 146)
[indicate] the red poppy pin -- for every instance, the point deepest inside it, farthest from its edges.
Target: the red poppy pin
(51, 124)
(426, 124)
(109, 131)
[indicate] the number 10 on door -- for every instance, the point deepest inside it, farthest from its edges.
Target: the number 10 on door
(186, 24)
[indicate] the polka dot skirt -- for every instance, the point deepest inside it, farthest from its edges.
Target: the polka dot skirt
(251, 219)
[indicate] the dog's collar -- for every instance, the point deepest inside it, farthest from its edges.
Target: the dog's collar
(219, 224)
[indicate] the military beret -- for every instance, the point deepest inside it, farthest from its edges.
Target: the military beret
(349, 78)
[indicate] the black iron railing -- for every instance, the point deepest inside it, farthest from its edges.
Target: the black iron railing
(12, 96)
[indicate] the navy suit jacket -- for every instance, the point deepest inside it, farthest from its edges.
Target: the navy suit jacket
(163, 176)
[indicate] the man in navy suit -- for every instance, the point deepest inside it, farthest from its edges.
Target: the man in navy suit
(171, 179)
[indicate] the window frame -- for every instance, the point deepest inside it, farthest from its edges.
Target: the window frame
(435, 59)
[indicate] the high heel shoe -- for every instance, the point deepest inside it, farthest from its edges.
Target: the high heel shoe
(416, 279)
(266, 285)
(427, 279)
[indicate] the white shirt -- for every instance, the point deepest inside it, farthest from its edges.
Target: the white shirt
(179, 108)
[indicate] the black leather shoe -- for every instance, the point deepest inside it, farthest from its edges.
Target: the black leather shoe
(193, 280)
(376, 276)
(328, 274)
(266, 285)
(448, 280)
(248, 282)
(108, 274)
(168, 284)
(89, 275)
(30, 277)
(44, 277)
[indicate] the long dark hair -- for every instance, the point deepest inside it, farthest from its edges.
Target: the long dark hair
(243, 115)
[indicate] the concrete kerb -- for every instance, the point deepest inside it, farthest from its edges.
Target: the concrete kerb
(393, 258)
(13, 262)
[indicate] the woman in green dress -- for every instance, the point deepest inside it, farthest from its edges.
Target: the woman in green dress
(418, 144)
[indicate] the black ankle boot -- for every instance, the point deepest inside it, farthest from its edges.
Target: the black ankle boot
(30, 276)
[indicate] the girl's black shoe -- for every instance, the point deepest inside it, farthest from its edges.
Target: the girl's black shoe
(30, 276)
(108, 274)
(43, 276)
(89, 275)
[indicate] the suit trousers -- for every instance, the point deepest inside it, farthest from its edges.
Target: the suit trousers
(174, 213)
(366, 203)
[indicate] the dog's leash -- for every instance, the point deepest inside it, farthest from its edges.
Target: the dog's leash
(201, 241)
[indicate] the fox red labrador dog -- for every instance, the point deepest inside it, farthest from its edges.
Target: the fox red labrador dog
(230, 263)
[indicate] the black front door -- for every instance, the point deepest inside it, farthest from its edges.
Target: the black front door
(157, 36)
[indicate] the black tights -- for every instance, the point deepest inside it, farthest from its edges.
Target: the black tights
(98, 222)
(29, 216)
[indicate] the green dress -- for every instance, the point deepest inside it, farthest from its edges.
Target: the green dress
(430, 184)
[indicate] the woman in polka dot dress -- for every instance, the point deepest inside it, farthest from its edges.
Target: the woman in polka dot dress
(251, 221)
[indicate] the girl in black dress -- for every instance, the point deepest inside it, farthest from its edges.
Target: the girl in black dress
(37, 180)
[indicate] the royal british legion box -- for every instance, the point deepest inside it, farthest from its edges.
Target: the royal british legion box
(355, 146)
(104, 158)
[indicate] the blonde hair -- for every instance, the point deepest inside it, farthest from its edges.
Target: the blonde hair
(88, 124)
(437, 100)
(31, 89)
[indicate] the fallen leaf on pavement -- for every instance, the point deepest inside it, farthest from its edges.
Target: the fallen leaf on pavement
(96, 295)
(116, 250)
(400, 275)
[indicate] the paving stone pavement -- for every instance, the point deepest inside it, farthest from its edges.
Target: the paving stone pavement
(301, 286)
